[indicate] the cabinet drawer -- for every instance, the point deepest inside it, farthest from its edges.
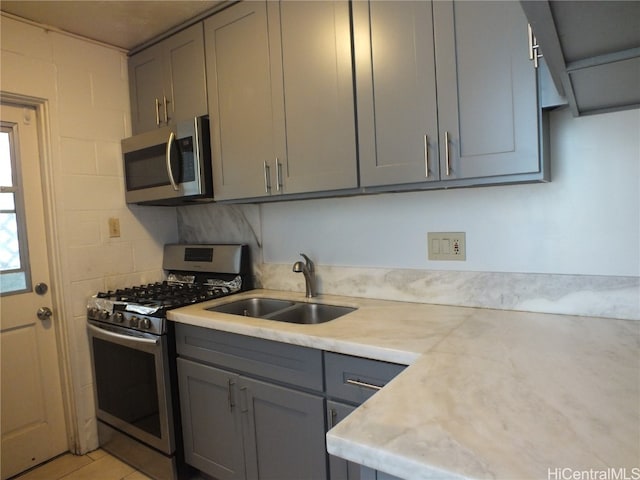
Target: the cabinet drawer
(356, 379)
(277, 361)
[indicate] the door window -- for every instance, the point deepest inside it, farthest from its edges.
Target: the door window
(14, 264)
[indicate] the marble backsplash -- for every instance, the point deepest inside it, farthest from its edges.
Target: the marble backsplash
(598, 296)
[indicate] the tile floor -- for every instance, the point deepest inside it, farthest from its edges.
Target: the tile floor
(96, 465)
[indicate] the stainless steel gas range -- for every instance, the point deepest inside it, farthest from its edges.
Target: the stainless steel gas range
(133, 353)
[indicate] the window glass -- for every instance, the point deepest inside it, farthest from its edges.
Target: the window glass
(6, 177)
(9, 247)
(14, 269)
(7, 201)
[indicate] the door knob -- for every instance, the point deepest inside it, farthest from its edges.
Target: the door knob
(44, 313)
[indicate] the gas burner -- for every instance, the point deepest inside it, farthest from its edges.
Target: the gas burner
(144, 307)
(165, 294)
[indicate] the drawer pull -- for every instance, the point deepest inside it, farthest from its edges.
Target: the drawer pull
(358, 383)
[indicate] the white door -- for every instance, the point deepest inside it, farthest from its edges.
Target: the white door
(32, 421)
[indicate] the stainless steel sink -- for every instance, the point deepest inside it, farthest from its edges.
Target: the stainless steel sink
(310, 313)
(283, 310)
(253, 307)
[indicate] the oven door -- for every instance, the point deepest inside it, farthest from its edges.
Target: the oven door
(131, 383)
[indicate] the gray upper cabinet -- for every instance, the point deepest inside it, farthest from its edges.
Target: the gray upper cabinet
(240, 101)
(317, 88)
(592, 49)
(487, 91)
(281, 99)
(445, 92)
(167, 81)
(396, 85)
(146, 85)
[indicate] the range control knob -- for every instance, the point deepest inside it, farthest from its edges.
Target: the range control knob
(145, 323)
(104, 314)
(92, 312)
(118, 317)
(134, 321)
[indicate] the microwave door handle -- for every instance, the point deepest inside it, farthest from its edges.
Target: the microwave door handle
(169, 171)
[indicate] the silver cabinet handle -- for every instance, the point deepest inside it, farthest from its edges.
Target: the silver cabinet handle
(267, 182)
(230, 384)
(157, 113)
(244, 408)
(166, 113)
(333, 415)
(426, 156)
(169, 172)
(534, 48)
(447, 154)
(278, 175)
(358, 383)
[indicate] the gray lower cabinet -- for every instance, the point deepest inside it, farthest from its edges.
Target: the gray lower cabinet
(248, 406)
(350, 381)
(167, 81)
(210, 420)
(340, 469)
(284, 432)
(371, 474)
(447, 93)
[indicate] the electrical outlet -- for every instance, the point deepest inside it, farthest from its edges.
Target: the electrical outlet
(114, 227)
(447, 246)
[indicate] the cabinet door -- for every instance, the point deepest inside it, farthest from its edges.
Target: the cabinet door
(210, 420)
(240, 103)
(284, 432)
(487, 91)
(317, 80)
(146, 88)
(396, 85)
(339, 468)
(184, 74)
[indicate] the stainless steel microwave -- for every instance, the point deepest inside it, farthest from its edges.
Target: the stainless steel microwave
(170, 165)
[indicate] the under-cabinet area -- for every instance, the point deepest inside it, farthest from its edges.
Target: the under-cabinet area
(312, 99)
(259, 409)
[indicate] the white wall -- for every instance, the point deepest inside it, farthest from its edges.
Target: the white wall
(85, 87)
(586, 221)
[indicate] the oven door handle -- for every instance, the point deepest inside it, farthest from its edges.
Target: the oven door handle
(128, 338)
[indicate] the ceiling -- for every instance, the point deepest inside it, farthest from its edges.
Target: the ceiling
(124, 24)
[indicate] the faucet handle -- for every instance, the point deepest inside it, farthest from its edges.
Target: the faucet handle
(310, 265)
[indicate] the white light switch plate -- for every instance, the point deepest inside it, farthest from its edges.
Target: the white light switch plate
(447, 246)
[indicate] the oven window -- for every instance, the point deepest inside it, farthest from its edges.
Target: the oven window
(126, 384)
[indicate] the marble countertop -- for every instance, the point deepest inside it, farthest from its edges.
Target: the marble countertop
(488, 394)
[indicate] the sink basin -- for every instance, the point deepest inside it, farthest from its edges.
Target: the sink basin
(283, 310)
(252, 307)
(310, 313)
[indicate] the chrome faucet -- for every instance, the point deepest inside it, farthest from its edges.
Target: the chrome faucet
(308, 270)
